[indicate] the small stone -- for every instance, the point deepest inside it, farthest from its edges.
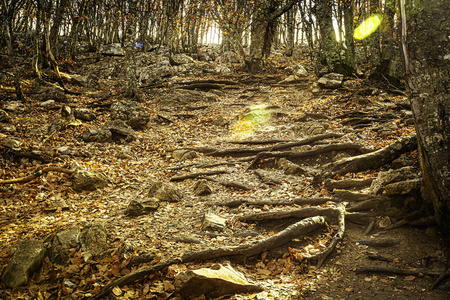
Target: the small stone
(48, 104)
(165, 192)
(202, 188)
(4, 116)
(213, 222)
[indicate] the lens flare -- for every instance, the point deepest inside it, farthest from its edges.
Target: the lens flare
(247, 124)
(368, 26)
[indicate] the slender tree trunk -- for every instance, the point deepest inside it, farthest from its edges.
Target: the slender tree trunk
(329, 54)
(428, 62)
(290, 41)
(37, 40)
(57, 20)
(130, 40)
(8, 23)
(349, 29)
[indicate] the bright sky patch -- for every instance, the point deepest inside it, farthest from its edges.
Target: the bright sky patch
(368, 26)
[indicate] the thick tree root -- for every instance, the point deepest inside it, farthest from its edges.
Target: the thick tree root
(444, 276)
(294, 231)
(394, 271)
(197, 175)
(370, 160)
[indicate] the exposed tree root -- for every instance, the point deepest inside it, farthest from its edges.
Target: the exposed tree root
(294, 231)
(140, 273)
(197, 175)
(299, 201)
(370, 160)
(394, 271)
(309, 153)
(240, 152)
(331, 184)
(444, 276)
(37, 174)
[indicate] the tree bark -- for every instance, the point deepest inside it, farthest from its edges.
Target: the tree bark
(428, 61)
(130, 40)
(263, 31)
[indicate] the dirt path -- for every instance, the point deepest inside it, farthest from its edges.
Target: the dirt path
(281, 112)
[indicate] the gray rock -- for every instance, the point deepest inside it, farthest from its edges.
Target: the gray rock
(213, 282)
(300, 71)
(112, 50)
(289, 70)
(97, 135)
(182, 155)
(331, 80)
(9, 128)
(44, 93)
(88, 180)
(61, 243)
(384, 178)
(131, 112)
(403, 187)
(93, 239)
(84, 114)
(403, 161)
(48, 104)
(4, 116)
(142, 207)
(310, 128)
(119, 130)
(165, 192)
(289, 167)
(219, 121)
(202, 188)
(213, 222)
(13, 143)
(25, 261)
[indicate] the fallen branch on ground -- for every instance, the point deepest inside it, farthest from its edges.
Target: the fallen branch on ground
(37, 174)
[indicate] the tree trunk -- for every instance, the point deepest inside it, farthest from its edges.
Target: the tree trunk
(263, 30)
(8, 17)
(329, 55)
(130, 40)
(349, 29)
(428, 61)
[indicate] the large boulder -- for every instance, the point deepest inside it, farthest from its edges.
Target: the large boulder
(131, 112)
(213, 282)
(25, 261)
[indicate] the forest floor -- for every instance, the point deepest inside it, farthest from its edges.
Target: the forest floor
(48, 204)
